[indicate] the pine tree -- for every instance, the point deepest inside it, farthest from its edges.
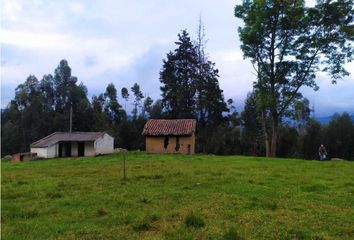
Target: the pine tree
(178, 78)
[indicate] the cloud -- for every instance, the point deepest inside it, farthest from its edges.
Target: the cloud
(125, 41)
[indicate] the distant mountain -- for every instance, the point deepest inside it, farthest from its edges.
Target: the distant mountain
(325, 120)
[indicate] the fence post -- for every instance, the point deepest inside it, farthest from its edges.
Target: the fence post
(124, 172)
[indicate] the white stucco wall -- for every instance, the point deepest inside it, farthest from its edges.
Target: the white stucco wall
(52, 151)
(89, 149)
(74, 149)
(104, 145)
(41, 152)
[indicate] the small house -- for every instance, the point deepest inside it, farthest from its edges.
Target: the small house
(170, 135)
(73, 144)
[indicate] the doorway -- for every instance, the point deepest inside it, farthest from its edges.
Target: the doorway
(81, 149)
(60, 149)
(68, 149)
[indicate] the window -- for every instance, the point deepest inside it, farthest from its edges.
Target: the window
(165, 142)
(177, 144)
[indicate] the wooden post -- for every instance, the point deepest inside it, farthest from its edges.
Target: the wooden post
(71, 118)
(124, 172)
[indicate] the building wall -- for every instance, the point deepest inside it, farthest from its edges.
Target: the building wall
(74, 149)
(156, 144)
(52, 151)
(89, 149)
(20, 157)
(41, 152)
(104, 145)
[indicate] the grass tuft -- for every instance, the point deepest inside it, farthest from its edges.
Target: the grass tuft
(145, 200)
(315, 188)
(296, 234)
(231, 234)
(54, 195)
(22, 182)
(193, 220)
(102, 212)
(142, 225)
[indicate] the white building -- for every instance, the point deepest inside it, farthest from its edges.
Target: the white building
(75, 144)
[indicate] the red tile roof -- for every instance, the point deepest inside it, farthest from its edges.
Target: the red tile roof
(164, 127)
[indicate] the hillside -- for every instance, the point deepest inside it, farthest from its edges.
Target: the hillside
(224, 197)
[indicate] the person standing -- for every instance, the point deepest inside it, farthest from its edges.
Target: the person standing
(322, 152)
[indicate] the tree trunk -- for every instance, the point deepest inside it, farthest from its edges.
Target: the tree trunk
(266, 135)
(273, 150)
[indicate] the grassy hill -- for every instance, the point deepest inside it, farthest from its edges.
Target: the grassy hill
(177, 197)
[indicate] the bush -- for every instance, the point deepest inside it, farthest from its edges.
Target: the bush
(193, 220)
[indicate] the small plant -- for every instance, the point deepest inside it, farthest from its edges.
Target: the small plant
(271, 206)
(54, 195)
(22, 182)
(193, 220)
(231, 234)
(145, 200)
(296, 234)
(102, 212)
(153, 217)
(142, 225)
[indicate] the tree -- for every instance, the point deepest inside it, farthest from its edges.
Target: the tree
(339, 136)
(288, 43)
(301, 114)
(29, 102)
(68, 94)
(157, 110)
(147, 107)
(101, 120)
(112, 106)
(125, 96)
(311, 139)
(12, 139)
(191, 88)
(137, 101)
(252, 132)
(178, 77)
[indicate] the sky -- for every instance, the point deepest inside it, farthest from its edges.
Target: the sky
(125, 41)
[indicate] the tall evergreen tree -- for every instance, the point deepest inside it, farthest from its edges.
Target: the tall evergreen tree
(252, 132)
(178, 76)
(191, 88)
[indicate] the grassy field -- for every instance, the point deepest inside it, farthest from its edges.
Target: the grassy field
(177, 197)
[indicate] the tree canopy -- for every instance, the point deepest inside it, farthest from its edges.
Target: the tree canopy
(288, 43)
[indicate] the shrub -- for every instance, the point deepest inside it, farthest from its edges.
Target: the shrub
(193, 220)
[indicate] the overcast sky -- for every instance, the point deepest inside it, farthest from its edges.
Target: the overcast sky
(124, 41)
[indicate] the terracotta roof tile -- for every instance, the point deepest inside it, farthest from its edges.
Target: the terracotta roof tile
(163, 127)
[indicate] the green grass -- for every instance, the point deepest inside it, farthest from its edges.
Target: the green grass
(234, 197)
